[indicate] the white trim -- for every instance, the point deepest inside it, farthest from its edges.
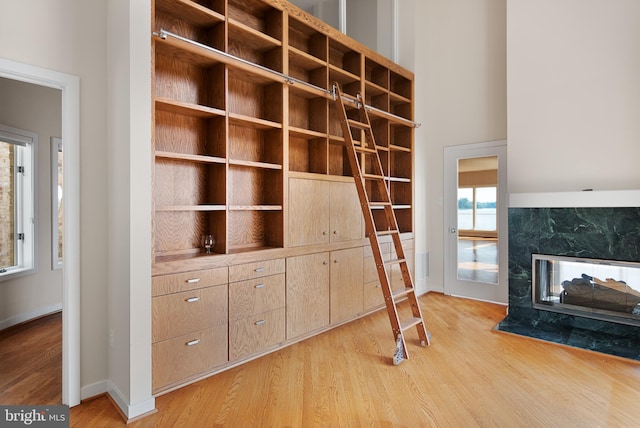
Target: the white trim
(70, 87)
(342, 16)
(38, 313)
(586, 199)
(94, 389)
(130, 411)
(395, 47)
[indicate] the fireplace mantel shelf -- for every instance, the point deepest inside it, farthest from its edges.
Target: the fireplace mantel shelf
(586, 199)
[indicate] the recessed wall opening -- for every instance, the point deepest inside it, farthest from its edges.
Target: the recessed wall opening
(596, 288)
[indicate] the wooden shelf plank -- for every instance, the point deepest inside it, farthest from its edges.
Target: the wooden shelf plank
(305, 91)
(255, 208)
(252, 122)
(399, 148)
(254, 164)
(191, 208)
(190, 157)
(305, 134)
(190, 11)
(250, 37)
(342, 76)
(400, 179)
(304, 60)
(187, 109)
(397, 98)
(374, 89)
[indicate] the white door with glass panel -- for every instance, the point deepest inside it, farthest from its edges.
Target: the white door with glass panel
(476, 221)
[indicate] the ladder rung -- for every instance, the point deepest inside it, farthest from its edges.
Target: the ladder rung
(394, 261)
(410, 322)
(380, 204)
(363, 149)
(357, 124)
(402, 292)
(372, 177)
(385, 232)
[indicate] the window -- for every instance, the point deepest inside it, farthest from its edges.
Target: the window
(477, 208)
(17, 200)
(371, 22)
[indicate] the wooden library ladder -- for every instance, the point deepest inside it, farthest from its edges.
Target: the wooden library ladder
(374, 195)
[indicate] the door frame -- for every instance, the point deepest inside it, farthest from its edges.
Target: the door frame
(69, 85)
(497, 293)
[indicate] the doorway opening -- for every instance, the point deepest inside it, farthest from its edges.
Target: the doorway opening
(69, 88)
(475, 215)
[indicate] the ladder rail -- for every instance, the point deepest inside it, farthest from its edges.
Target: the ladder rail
(358, 154)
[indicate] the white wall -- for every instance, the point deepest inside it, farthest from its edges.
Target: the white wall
(69, 36)
(574, 95)
(457, 51)
(129, 195)
(38, 109)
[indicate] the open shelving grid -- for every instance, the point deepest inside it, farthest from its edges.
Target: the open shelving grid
(242, 101)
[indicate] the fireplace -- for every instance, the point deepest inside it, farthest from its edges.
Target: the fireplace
(601, 289)
(561, 237)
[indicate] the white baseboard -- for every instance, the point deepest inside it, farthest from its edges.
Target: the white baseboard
(131, 411)
(20, 318)
(97, 388)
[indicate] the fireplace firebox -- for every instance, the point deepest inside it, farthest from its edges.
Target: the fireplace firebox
(608, 290)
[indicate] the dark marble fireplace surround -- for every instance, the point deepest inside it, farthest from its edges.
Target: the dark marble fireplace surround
(611, 233)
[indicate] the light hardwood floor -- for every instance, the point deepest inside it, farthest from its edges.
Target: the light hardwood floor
(31, 362)
(469, 376)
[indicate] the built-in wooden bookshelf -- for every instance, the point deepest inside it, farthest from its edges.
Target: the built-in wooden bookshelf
(248, 148)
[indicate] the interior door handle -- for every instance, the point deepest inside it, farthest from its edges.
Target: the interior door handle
(452, 230)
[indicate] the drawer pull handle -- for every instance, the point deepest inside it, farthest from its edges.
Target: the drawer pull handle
(378, 286)
(260, 285)
(192, 280)
(260, 322)
(260, 269)
(193, 342)
(193, 299)
(325, 262)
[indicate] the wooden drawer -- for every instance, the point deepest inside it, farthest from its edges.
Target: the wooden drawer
(385, 248)
(188, 355)
(373, 296)
(181, 313)
(250, 335)
(406, 245)
(396, 275)
(370, 271)
(255, 296)
(178, 282)
(256, 270)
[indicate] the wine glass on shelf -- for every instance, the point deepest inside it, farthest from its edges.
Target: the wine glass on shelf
(208, 241)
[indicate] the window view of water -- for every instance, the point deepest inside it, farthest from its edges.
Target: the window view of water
(485, 219)
(484, 199)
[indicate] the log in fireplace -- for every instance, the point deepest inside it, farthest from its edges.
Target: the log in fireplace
(596, 288)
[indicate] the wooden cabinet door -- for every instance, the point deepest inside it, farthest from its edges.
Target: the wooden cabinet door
(345, 213)
(346, 284)
(308, 212)
(307, 293)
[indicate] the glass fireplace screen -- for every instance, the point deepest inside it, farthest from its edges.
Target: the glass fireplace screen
(595, 288)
